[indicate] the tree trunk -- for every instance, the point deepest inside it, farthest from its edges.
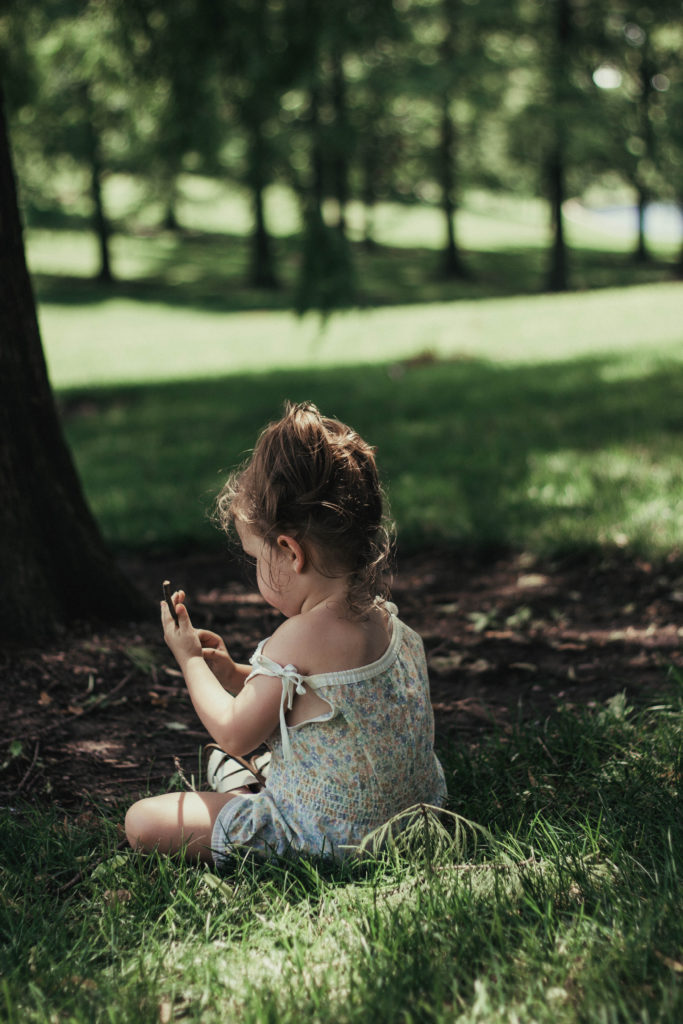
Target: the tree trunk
(557, 273)
(453, 266)
(317, 188)
(340, 162)
(646, 72)
(558, 278)
(101, 223)
(368, 194)
(262, 273)
(54, 565)
(170, 219)
(641, 254)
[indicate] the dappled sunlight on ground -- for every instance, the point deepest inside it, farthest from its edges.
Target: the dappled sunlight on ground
(105, 716)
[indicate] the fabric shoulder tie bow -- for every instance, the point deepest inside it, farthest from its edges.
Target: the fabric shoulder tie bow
(292, 682)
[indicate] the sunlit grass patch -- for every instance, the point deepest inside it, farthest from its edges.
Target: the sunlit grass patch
(121, 340)
(549, 457)
(628, 496)
(560, 903)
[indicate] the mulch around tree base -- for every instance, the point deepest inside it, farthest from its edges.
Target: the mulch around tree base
(102, 716)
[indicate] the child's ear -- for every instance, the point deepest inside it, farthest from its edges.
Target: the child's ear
(293, 551)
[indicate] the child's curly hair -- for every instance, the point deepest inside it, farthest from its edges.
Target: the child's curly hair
(316, 479)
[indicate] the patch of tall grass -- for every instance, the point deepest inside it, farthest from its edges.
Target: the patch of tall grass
(561, 905)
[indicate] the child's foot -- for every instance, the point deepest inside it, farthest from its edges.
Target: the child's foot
(225, 774)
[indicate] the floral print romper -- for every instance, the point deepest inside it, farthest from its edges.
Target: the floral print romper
(335, 778)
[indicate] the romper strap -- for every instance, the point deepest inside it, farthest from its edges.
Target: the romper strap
(292, 681)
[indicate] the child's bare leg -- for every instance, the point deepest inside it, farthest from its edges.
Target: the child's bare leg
(175, 821)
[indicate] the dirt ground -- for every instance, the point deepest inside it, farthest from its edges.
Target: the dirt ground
(102, 716)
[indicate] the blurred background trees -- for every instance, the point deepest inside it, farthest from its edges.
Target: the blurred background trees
(410, 101)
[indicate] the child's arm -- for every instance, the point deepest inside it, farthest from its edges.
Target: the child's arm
(229, 674)
(238, 724)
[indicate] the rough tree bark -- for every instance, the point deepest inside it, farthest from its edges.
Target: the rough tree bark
(54, 566)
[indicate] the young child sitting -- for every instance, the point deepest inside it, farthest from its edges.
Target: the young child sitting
(339, 691)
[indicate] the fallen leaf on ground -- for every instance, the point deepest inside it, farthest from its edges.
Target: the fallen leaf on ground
(116, 896)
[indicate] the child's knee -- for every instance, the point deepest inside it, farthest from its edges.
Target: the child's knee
(139, 825)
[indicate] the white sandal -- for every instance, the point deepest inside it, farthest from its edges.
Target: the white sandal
(225, 773)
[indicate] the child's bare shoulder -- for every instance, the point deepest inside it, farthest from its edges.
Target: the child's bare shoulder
(326, 641)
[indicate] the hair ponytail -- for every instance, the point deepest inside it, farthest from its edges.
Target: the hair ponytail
(315, 478)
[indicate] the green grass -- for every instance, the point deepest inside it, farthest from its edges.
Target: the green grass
(177, 287)
(562, 905)
(121, 340)
(541, 421)
(547, 455)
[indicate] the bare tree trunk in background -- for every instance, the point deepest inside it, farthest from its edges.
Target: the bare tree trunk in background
(101, 223)
(54, 565)
(641, 254)
(340, 168)
(646, 72)
(558, 275)
(453, 266)
(262, 273)
(317, 189)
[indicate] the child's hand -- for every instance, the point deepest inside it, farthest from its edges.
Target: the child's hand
(182, 639)
(219, 661)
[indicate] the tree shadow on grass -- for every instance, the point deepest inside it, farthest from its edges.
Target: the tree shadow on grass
(476, 455)
(211, 272)
(554, 456)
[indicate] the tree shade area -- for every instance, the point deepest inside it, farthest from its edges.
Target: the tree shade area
(415, 102)
(55, 566)
(531, 451)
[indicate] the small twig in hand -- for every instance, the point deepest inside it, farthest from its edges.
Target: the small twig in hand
(169, 601)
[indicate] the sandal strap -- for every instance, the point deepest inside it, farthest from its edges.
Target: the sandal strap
(254, 767)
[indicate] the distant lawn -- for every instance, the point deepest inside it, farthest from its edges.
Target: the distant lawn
(505, 241)
(550, 454)
(93, 342)
(501, 416)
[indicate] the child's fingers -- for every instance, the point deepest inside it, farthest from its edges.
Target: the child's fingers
(167, 621)
(210, 640)
(181, 611)
(208, 636)
(212, 654)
